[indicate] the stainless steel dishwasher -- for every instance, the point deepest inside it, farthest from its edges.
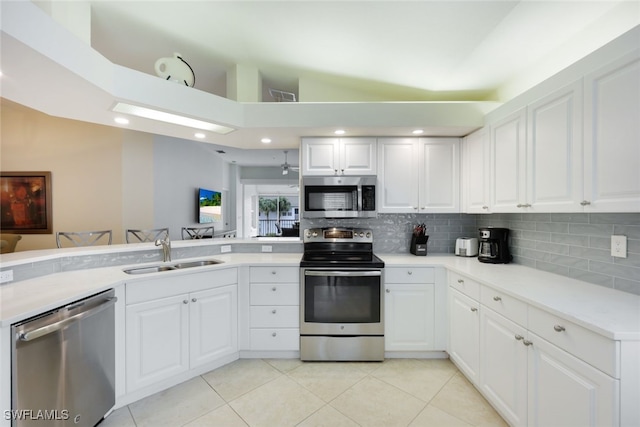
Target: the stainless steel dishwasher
(63, 364)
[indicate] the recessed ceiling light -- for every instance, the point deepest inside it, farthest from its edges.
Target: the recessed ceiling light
(265, 140)
(199, 135)
(163, 116)
(418, 132)
(340, 132)
(121, 121)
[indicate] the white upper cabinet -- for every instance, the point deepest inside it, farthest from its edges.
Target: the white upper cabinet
(554, 151)
(508, 150)
(475, 172)
(338, 156)
(612, 137)
(418, 175)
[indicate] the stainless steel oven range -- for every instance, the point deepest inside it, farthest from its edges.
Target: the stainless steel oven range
(341, 297)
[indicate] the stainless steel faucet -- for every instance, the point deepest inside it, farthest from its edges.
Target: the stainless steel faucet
(166, 248)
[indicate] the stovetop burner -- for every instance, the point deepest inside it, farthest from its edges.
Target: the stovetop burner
(339, 248)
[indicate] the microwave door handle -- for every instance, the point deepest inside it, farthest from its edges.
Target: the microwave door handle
(323, 273)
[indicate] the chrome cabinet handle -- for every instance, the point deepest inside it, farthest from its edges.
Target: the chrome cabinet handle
(274, 334)
(409, 272)
(474, 309)
(273, 311)
(274, 289)
(460, 281)
(388, 291)
(194, 299)
(273, 272)
(558, 328)
(497, 298)
(519, 205)
(585, 203)
(527, 343)
(519, 337)
(185, 301)
(485, 207)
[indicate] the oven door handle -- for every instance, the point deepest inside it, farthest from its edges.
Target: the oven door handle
(324, 273)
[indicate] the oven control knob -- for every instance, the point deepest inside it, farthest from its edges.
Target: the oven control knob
(314, 234)
(368, 234)
(361, 234)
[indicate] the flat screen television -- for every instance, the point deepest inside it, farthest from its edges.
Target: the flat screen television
(209, 206)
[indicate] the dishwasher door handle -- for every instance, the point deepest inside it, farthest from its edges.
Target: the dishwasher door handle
(45, 330)
(324, 273)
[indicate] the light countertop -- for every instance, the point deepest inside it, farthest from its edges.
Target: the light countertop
(612, 313)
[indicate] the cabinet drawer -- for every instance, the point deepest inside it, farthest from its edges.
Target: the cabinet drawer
(409, 275)
(274, 274)
(275, 316)
(274, 294)
(465, 285)
(586, 345)
(511, 308)
(275, 339)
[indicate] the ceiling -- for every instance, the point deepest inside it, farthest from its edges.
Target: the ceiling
(370, 52)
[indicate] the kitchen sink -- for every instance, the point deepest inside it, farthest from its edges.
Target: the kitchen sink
(171, 267)
(197, 263)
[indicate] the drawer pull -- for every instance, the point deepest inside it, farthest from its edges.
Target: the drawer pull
(558, 328)
(527, 343)
(186, 301)
(460, 281)
(194, 299)
(273, 289)
(273, 272)
(388, 291)
(409, 272)
(585, 203)
(273, 312)
(497, 299)
(474, 309)
(274, 334)
(519, 337)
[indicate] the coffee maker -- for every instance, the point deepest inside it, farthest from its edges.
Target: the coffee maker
(494, 245)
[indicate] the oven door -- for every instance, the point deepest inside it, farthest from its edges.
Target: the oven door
(341, 302)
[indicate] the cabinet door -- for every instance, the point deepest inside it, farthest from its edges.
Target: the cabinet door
(464, 334)
(554, 158)
(564, 391)
(611, 137)
(320, 156)
(398, 175)
(439, 175)
(214, 324)
(409, 317)
(156, 340)
(475, 172)
(508, 151)
(358, 156)
(503, 370)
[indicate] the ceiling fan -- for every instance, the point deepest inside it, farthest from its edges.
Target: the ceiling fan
(286, 167)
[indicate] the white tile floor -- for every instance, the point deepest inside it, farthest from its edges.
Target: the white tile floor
(288, 392)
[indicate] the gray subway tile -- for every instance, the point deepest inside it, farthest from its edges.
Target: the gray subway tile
(632, 260)
(553, 248)
(615, 270)
(537, 217)
(569, 239)
(615, 218)
(521, 225)
(591, 277)
(573, 218)
(590, 254)
(552, 268)
(553, 227)
(631, 286)
(601, 230)
(631, 231)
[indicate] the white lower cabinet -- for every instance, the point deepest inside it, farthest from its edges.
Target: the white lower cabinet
(409, 313)
(529, 380)
(464, 334)
(503, 370)
(564, 391)
(274, 311)
(170, 331)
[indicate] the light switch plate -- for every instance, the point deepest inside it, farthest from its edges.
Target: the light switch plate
(619, 246)
(6, 276)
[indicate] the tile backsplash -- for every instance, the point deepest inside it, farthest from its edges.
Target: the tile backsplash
(576, 245)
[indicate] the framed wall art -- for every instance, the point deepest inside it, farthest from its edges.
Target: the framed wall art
(26, 202)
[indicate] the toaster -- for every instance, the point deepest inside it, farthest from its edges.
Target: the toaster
(467, 246)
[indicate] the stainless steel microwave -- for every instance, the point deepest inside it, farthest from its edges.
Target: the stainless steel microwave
(339, 197)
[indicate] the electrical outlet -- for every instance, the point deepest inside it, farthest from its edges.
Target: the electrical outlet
(619, 246)
(266, 248)
(6, 276)
(225, 249)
